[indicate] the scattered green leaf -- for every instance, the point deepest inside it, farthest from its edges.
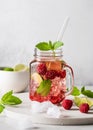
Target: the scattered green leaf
(76, 91)
(1, 108)
(87, 93)
(6, 95)
(12, 100)
(83, 91)
(9, 99)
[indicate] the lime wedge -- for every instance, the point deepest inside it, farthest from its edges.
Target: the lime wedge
(21, 67)
(8, 69)
(37, 78)
(90, 102)
(80, 100)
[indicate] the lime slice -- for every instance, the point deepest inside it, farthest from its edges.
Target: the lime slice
(8, 69)
(80, 100)
(21, 67)
(37, 78)
(90, 102)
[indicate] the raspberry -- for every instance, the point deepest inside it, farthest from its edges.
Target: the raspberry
(62, 73)
(51, 74)
(67, 104)
(41, 69)
(84, 108)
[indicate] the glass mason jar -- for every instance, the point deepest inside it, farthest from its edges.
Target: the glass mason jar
(50, 77)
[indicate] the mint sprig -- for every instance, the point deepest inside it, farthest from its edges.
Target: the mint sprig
(46, 46)
(44, 87)
(77, 92)
(9, 99)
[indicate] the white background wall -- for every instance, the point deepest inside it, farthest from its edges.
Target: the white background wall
(23, 23)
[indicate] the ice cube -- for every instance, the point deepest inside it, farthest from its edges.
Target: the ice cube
(54, 111)
(37, 107)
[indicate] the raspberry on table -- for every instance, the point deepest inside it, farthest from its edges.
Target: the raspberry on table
(84, 108)
(67, 104)
(41, 69)
(51, 74)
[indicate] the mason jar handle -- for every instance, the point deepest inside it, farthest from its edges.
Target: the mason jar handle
(71, 74)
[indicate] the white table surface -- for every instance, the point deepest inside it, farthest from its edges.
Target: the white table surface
(7, 123)
(10, 124)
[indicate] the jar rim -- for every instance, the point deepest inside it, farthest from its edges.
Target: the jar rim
(43, 53)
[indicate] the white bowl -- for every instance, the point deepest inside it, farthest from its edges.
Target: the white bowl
(13, 80)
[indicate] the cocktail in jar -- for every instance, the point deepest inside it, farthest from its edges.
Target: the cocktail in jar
(50, 77)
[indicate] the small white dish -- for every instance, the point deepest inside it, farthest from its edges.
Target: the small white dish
(13, 80)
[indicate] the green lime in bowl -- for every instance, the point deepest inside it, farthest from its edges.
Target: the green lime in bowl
(8, 69)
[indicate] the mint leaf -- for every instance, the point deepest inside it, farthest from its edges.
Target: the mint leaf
(44, 46)
(44, 87)
(87, 93)
(9, 99)
(1, 108)
(12, 100)
(76, 91)
(57, 44)
(6, 95)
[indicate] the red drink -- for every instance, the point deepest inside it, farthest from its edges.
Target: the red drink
(50, 78)
(58, 83)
